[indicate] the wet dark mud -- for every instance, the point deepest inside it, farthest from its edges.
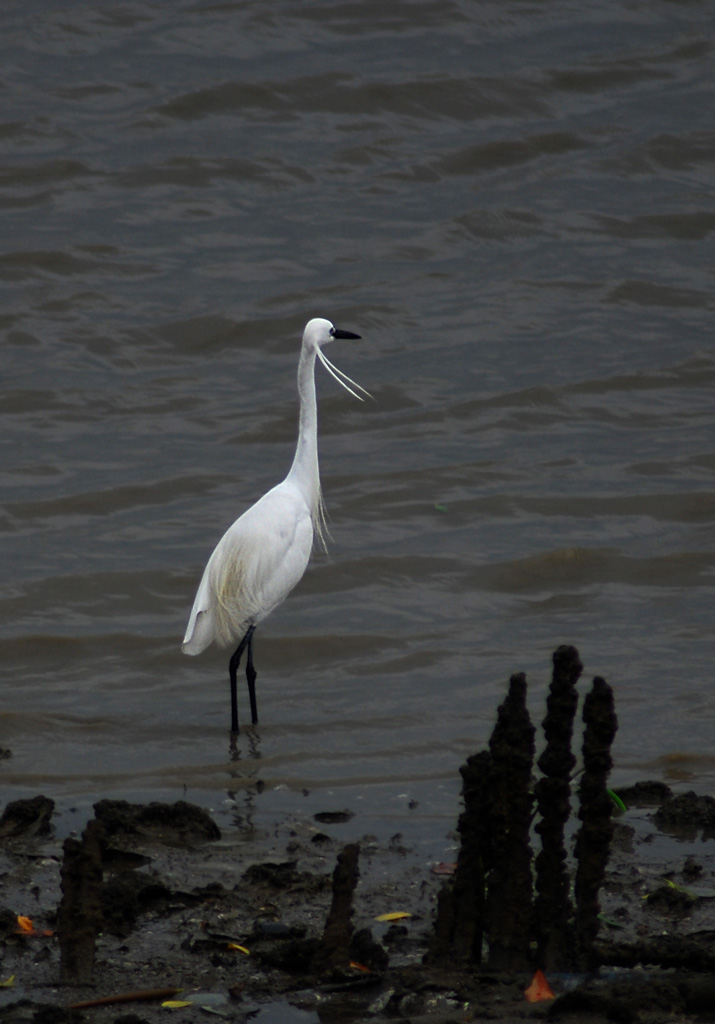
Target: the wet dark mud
(153, 903)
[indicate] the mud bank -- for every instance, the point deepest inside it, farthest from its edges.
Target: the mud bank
(214, 917)
(153, 904)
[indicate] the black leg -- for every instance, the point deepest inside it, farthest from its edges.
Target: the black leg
(233, 669)
(250, 677)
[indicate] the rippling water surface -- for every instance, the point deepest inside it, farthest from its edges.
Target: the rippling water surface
(512, 203)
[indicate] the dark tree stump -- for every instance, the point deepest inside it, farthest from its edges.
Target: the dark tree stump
(509, 910)
(553, 907)
(594, 837)
(333, 953)
(79, 916)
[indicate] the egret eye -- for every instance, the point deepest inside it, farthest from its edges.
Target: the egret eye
(331, 332)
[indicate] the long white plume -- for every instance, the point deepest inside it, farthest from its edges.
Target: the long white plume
(341, 377)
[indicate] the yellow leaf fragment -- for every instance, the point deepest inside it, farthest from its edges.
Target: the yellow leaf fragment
(176, 1004)
(9, 983)
(241, 949)
(396, 915)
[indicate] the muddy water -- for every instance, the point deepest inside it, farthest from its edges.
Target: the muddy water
(512, 204)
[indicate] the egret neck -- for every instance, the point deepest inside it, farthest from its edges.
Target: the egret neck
(304, 472)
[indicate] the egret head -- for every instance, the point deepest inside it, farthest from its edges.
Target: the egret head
(319, 332)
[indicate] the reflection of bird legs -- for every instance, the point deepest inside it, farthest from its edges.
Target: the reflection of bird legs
(250, 678)
(241, 771)
(244, 784)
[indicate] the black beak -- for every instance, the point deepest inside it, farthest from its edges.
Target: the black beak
(346, 335)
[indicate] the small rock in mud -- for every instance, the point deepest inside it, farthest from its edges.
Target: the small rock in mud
(367, 952)
(395, 934)
(644, 794)
(277, 930)
(668, 899)
(623, 837)
(333, 817)
(25, 818)
(294, 957)
(692, 869)
(50, 1013)
(125, 898)
(622, 1003)
(283, 875)
(8, 922)
(687, 813)
(180, 822)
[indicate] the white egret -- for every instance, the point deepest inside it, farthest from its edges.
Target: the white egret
(262, 556)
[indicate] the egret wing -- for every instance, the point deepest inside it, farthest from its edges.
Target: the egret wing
(201, 627)
(253, 568)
